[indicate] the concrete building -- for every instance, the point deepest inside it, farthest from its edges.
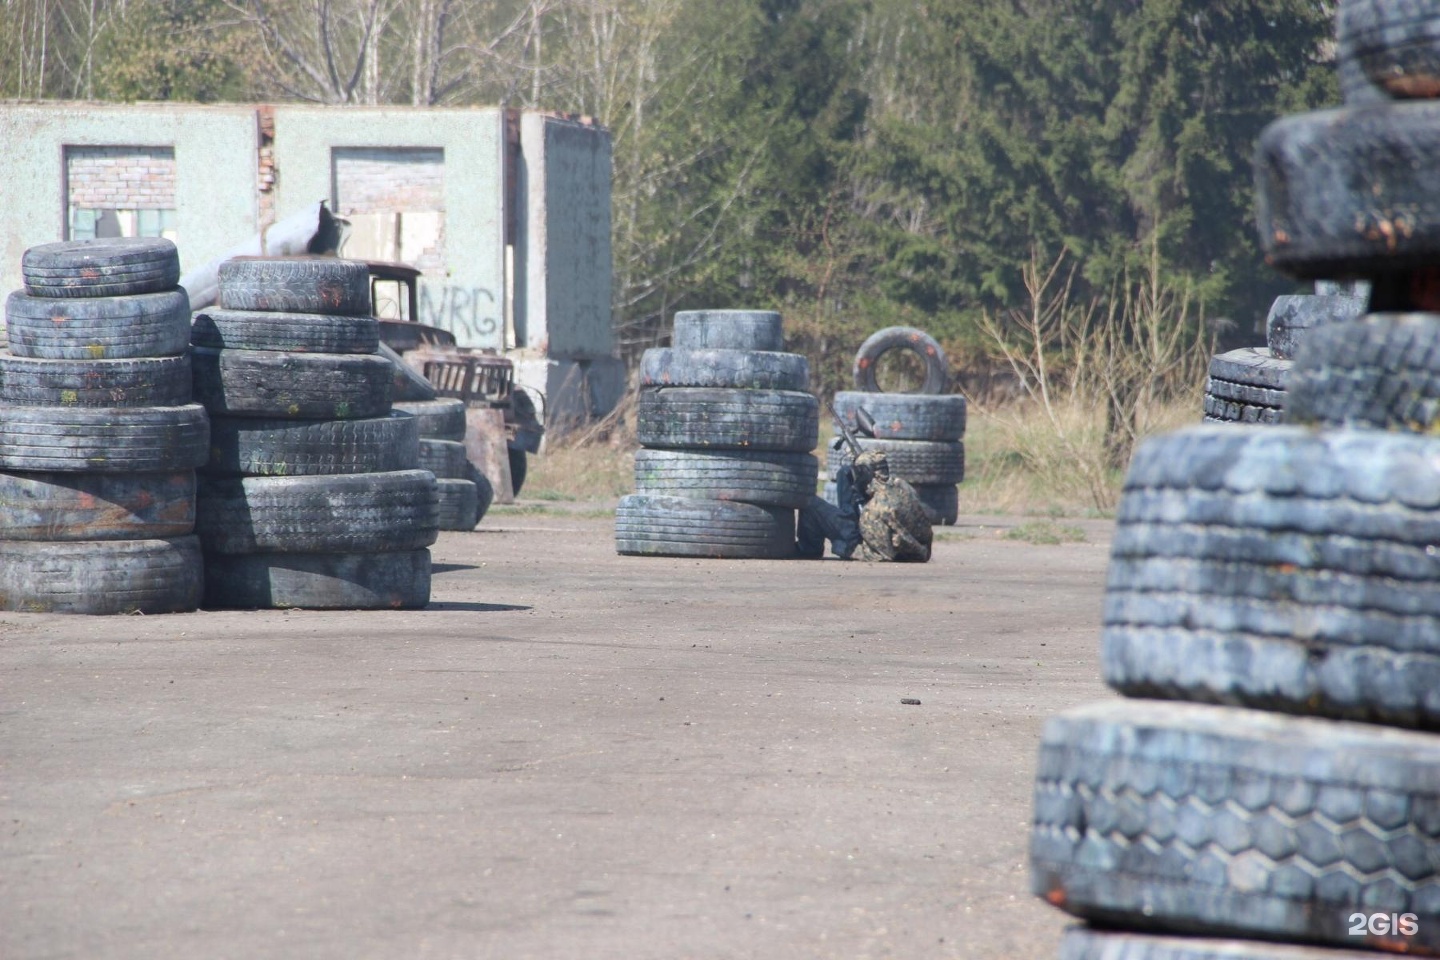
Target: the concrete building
(506, 213)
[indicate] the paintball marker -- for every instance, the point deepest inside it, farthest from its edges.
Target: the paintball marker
(863, 420)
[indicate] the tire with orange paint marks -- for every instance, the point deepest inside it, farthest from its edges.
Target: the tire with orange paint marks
(918, 342)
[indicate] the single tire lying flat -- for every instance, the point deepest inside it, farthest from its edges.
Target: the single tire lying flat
(304, 448)
(444, 458)
(1246, 386)
(728, 330)
(1084, 943)
(459, 504)
(1292, 318)
(1252, 366)
(101, 577)
(1283, 568)
(302, 285)
(441, 419)
(96, 506)
(1381, 372)
(147, 382)
(714, 418)
(103, 439)
(354, 513)
(319, 581)
(306, 386)
(286, 332)
(918, 342)
(108, 328)
(1218, 409)
(101, 268)
(738, 369)
(1351, 192)
(1226, 822)
(721, 529)
(765, 478)
(1396, 44)
(927, 462)
(905, 416)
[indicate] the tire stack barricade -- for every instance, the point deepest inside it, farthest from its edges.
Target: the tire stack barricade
(1272, 611)
(922, 434)
(728, 429)
(313, 495)
(99, 440)
(465, 494)
(1248, 385)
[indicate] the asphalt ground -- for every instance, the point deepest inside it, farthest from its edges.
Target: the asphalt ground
(568, 754)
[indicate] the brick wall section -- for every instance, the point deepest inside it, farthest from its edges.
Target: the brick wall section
(120, 178)
(382, 180)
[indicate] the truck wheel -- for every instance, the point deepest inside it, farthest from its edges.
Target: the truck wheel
(517, 470)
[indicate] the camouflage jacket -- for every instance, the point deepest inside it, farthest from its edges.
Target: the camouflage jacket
(894, 524)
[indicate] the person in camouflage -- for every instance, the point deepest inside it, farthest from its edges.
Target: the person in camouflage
(880, 517)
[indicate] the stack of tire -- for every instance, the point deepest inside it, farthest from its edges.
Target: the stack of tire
(312, 495)
(728, 429)
(1274, 594)
(921, 434)
(98, 438)
(465, 493)
(1248, 385)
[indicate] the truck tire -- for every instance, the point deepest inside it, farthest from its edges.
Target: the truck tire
(905, 416)
(122, 266)
(440, 419)
(519, 467)
(1293, 318)
(96, 506)
(1216, 821)
(285, 332)
(764, 478)
(353, 513)
(302, 386)
(103, 439)
(107, 328)
(1382, 372)
(720, 529)
(712, 418)
(242, 446)
(444, 458)
(926, 462)
(459, 504)
(918, 342)
(484, 491)
(1246, 386)
(101, 577)
(303, 285)
(148, 382)
(728, 330)
(1396, 44)
(735, 369)
(397, 580)
(1284, 569)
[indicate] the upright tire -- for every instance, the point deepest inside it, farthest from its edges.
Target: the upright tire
(918, 342)
(679, 527)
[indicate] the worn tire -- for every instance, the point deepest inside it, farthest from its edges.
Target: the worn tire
(918, 342)
(1396, 44)
(285, 332)
(101, 268)
(764, 478)
(905, 416)
(459, 504)
(1219, 821)
(348, 513)
(1284, 568)
(1219, 409)
(721, 529)
(103, 439)
(519, 467)
(735, 369)
(147, 382)
(444, 458)
(96, 506)
(926, 462)
(109, 328)
(941, 501)
(484, 491)
(1351, 192)
(1246, 386)
(303, 386)
(1085, 943)
(301, 285)
(101, 577)
(1381, 372)
(728, 330)
(398, 580)
(712, 418)
(242, 446)
(441, 419)
(1292, 318)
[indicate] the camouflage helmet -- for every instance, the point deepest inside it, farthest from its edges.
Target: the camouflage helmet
(870, 465)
